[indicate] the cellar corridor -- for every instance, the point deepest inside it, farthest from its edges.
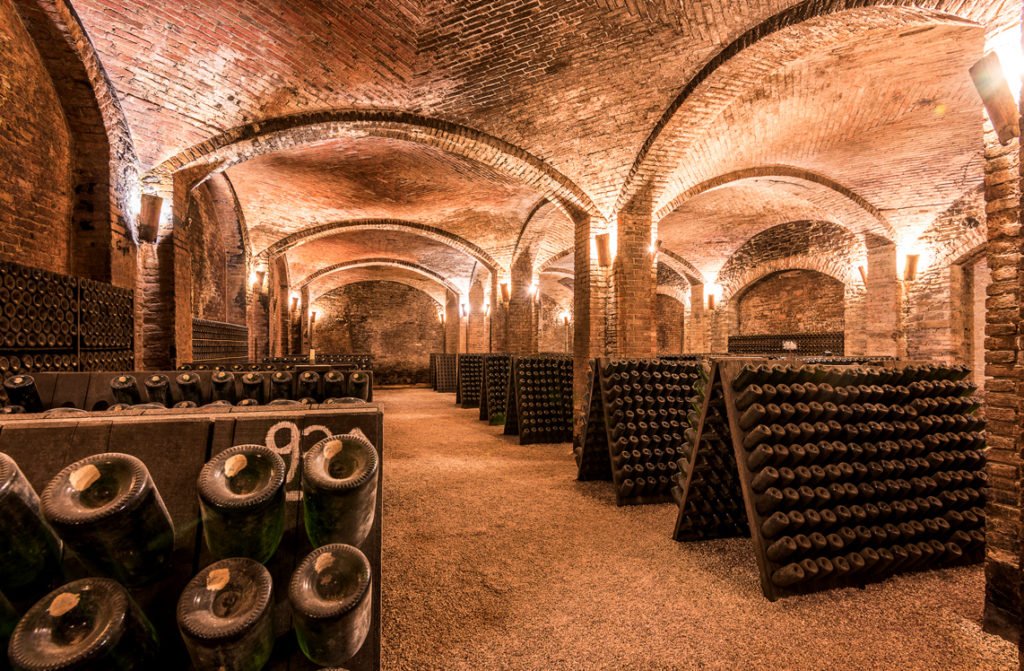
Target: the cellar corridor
(495, 557)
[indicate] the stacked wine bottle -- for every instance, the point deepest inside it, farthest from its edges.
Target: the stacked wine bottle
(37, 309)
(707, 487)
(360, 361)
(470, 382)
(540, 399)
(646, 403)
(851, 474)
(107, 510)
(446, 379)
(219, 341)
(494, 396)
(805, 343)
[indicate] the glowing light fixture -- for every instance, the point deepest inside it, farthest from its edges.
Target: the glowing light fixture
(989, 75)
(863, 270)
(712, 294)
(565, 316)
(463, 309)
(910, 267)
(604, 249)
(506, 292)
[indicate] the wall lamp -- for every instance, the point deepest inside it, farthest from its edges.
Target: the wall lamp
(910, 267)
(863, 274)
(566, 317)
(506, 292)
(463, 309)
(990, 80)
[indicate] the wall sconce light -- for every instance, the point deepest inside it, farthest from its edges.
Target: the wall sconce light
(712, 293)
(463, 309)
(910, 267)
(566, 317)
(506, 292)
(863, 274)
(441, 317)
(149, 217)
(990, 80)
(711, 302)
(312, 317)
(487, 309)
(604, 249)
(295, 301)
(655, 247)
(534, 288)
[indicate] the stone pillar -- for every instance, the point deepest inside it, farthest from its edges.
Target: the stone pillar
(697, 331)
(522, 310)
(590, 312)
(452, 322)
(477, 320)
(498, 320)
(636, 282)
(1004, 386)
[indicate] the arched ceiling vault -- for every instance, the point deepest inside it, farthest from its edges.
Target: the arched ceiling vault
(376, 263)
(342, 278)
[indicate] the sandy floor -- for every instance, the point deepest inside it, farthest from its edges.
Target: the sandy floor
(495, 557)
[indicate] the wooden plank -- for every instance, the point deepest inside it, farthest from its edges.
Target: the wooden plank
(71, 390)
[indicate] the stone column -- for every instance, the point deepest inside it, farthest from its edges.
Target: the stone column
(635, 278)
(590, 312)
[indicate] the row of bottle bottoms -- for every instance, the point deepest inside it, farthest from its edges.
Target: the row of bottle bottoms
(310, 387)
(774, 374)
(108, 511)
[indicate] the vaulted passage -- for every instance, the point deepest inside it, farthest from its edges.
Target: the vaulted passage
(732, 289)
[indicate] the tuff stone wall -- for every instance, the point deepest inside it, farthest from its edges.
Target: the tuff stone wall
(793, 301)
(36, 200)
(395, 323)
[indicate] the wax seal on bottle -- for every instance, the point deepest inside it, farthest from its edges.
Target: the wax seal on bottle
(224, 616)
(332, 603)
(241, 499)
(108, 510)
(339, 484)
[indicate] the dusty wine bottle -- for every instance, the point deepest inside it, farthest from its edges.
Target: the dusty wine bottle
(125, 389)
(30, 556)
(359, 385)
(252, 387)
(158, 387)
(223, 386)
(332, 603)
(334, 384)
(108, 510)
(339, 484)
(189, 389)
(280, 385)
(241, 501)
(21, 391)
(86, 625)
(224, 616)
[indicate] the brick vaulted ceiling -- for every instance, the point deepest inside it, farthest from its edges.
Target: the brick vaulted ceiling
(586, 88)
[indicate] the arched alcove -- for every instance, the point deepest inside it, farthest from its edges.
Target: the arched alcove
(791, 301)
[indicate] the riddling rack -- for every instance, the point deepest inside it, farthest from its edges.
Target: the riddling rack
(494, 395)
(445, 367)
(540, 399)
(637, 419)
(848, 474)
(470, 380)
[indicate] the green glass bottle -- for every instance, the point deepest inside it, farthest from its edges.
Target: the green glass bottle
(224, 616)
(332, 603)
(108, 510)
(339, 485)
(241, 500)
(87, 625)
(30, 555)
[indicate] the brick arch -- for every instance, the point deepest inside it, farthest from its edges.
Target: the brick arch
(438, 295)
(379, 262)
(657, 157)
(355, 225)
(800, 262)
(866, 218)
(105, 165)
(545, 234)
(267, 136)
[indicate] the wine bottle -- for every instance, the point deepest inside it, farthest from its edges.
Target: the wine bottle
(280, 385)
(89, 624)
(339, 484)
(252, 387)
(359, 385)
(189, 389)
(158, 388)
(334, 384)
(309, 384)
(21, 391)
(30, 556)
(332, 603)
(108, 510)
(241, 501)
(224, 616)
(125, 389)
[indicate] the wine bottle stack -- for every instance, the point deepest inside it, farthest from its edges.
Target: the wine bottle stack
(360, 361)
(706, 485)
(116, 360)
(592, 457)
(471, 373)
(856, 473)
(813, 343)
(543, 388)
(646, 403)
(37, 363)
(447, 382)
(494, 397)
(37, 309)
(433, 371)
(108, 320)
(219, 341)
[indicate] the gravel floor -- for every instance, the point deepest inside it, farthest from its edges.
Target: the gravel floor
(495, 557)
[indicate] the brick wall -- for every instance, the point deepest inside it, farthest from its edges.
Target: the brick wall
(218, 256)
(36, 200)
(793, 301)
(669, 324)
(550, 328)
(395, 323)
